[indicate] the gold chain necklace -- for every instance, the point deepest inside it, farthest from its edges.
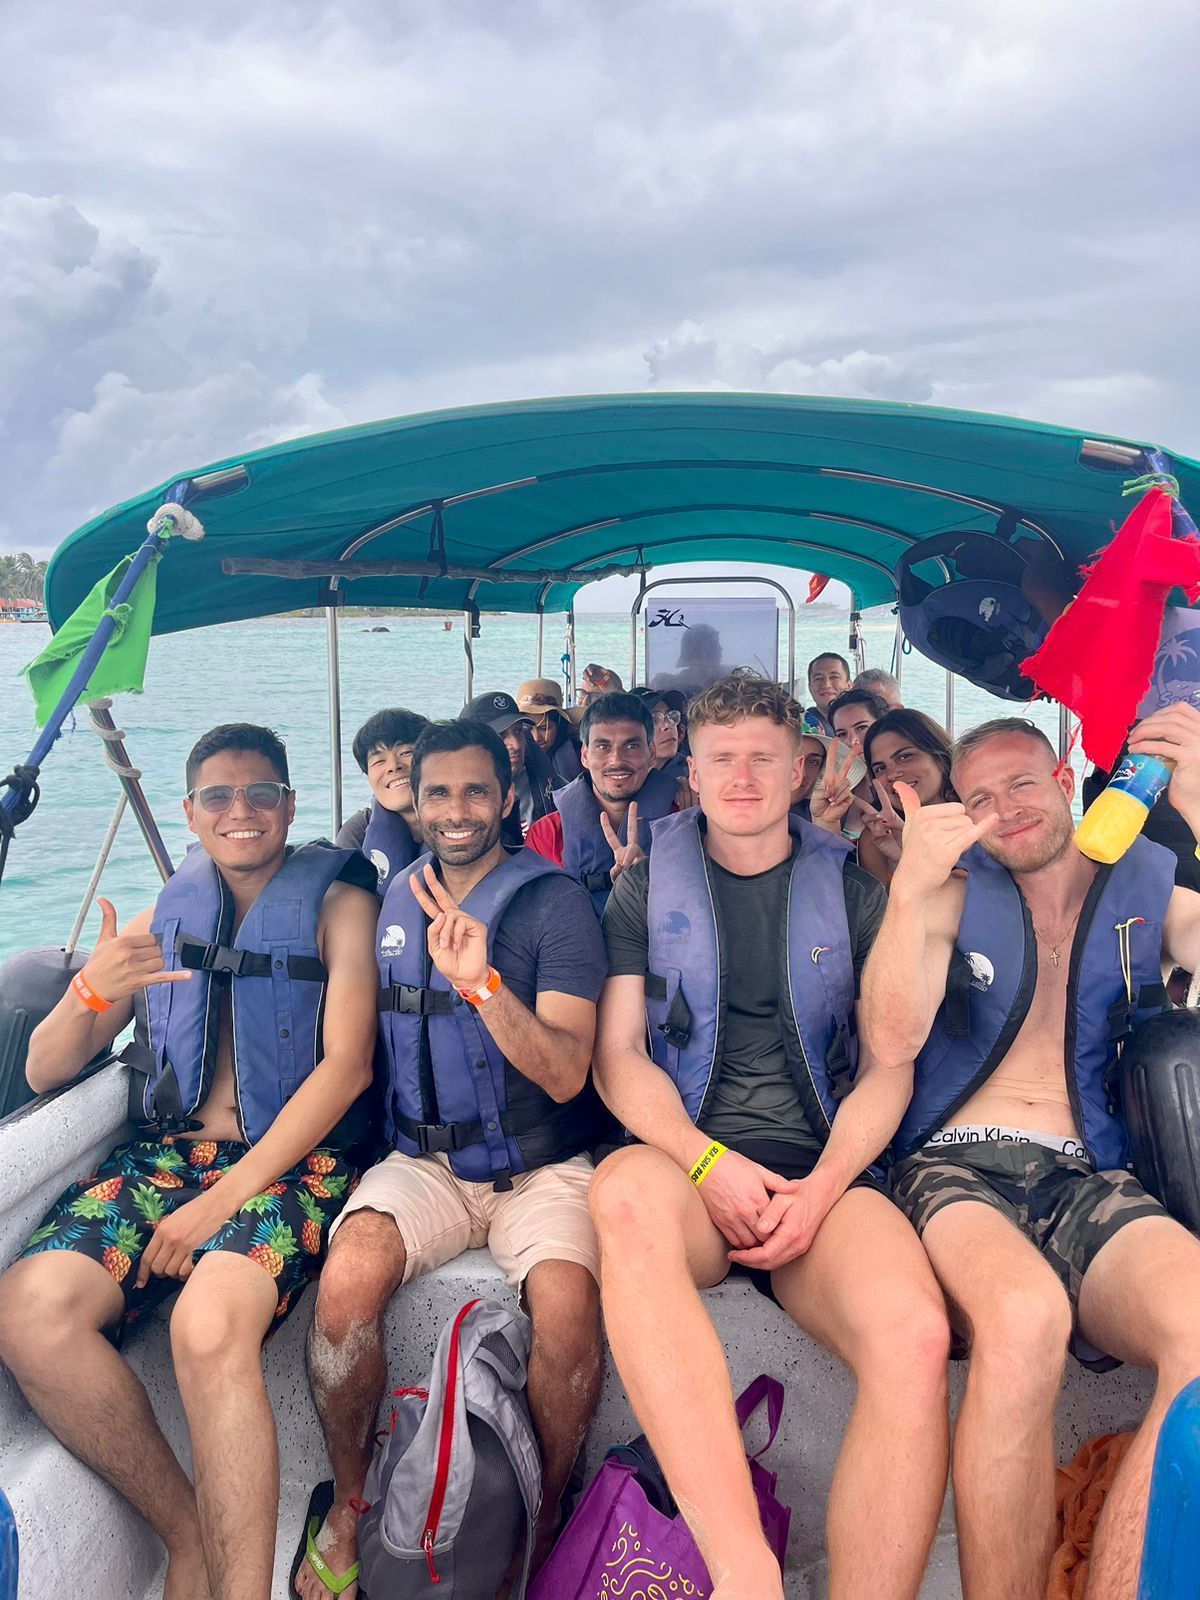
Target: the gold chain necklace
(1056, 948)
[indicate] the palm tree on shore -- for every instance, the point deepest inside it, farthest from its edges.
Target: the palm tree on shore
(21, 577)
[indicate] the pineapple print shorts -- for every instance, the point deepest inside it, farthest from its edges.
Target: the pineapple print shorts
(111, 1215)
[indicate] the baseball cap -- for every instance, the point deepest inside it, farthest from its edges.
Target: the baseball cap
(498, 710)
(674, 698)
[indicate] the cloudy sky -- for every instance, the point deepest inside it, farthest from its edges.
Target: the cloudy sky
(226, 224)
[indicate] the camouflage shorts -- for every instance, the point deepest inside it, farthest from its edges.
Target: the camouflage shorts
(1066, 1209)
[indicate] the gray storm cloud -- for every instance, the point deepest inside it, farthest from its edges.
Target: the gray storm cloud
(220, 229)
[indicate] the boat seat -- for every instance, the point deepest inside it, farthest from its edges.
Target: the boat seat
(70, 1523)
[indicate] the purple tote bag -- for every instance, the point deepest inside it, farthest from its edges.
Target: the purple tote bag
(618, 1543)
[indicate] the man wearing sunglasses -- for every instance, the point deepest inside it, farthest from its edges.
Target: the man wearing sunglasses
(252, 982)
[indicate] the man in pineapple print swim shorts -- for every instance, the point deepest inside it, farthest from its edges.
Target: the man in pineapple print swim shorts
(252, 982)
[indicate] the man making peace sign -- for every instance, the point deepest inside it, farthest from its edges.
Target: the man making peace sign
(490, 967)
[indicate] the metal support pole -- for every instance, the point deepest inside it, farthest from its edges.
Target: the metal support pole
(950, 704)
(540, 632)
(129, 777)
(335, 717)
(568, 661)
(1064, 732)
(898, 653)
(468, 657)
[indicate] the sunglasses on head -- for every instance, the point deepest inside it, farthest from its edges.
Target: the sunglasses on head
(215, 798)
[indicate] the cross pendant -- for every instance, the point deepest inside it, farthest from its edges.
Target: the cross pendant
(1054, 957)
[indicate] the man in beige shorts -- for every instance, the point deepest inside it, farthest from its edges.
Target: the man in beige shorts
(490, 964)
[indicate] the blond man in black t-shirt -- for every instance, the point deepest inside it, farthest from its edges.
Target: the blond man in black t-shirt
(754, 1167)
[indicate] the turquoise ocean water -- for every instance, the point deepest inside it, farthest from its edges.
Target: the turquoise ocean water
(273, 671)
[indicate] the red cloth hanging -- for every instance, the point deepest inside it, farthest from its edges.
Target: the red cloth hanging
(1098, 658)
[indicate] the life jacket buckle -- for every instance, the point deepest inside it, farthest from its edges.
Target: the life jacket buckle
(220, 958)
(437, 1138)
(679, 1036)
(1121, 1018)
(411, 1002)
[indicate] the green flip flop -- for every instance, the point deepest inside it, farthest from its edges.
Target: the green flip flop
(319, 1506)
(334, 1583)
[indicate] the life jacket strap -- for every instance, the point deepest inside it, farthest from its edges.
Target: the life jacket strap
(1121, 1020)
(409, 1001)
(676, 1027)
(444, 1138)
(222, 959)
(957, 1015)
(597, 882)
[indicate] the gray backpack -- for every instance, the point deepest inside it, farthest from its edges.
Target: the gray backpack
(458, 1472)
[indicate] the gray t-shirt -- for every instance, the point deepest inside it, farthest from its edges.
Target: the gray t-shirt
(755, 1096)
(353, 831)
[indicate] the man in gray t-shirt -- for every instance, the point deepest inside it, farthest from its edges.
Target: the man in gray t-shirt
(755, 1140)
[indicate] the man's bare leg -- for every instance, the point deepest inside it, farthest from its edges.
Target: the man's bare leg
(53, 1308)
(564, 1376)
(1018, 1318)
(866, 1290)
(217, 1330)
(347, 1368)
(656, 1245)
(1140, 1301)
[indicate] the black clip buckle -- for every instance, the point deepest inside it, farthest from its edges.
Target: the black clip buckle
(220, 958)
(436, 1138)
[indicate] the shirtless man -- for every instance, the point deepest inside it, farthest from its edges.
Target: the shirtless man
(1011, 1160)
(237, 1167)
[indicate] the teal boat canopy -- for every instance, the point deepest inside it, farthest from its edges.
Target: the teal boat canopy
(514, 507)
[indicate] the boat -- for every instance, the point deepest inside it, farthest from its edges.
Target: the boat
(515, 508)
(13, 610)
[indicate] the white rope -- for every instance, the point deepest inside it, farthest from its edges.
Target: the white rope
(1193, 994)
(109, 737)
(97, 872)
(171, 520)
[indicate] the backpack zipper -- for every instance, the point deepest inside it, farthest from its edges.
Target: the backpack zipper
(441, 1476)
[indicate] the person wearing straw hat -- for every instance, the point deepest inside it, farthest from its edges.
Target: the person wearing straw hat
(553, 727)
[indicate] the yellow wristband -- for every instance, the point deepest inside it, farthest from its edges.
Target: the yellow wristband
(706, 1163)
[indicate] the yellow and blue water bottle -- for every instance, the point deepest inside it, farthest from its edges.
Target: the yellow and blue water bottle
(1115, 818)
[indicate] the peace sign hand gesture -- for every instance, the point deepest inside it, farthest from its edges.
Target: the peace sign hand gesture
(457, 941)
(624, 855)
(832, 796)
(934, 837)
(886, 826)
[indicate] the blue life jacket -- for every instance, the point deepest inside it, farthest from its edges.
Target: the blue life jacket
(276, 979)
(991, 983)
(979, 628)
(587, 855)
(686, 984)
(564, 758)
(388, 844)
(450, 1088)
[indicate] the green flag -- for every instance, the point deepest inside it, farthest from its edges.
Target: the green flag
(122, 667)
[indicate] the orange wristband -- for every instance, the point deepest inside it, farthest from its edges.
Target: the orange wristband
(88, 995)
(485, 991)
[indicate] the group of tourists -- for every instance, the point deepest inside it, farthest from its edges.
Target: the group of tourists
(637, 993)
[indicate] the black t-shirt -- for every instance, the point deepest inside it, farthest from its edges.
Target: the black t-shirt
(755, 1096)
(549, 940)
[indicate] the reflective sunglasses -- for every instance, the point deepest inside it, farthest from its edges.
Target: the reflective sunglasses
(266, 795)
(661, 718)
